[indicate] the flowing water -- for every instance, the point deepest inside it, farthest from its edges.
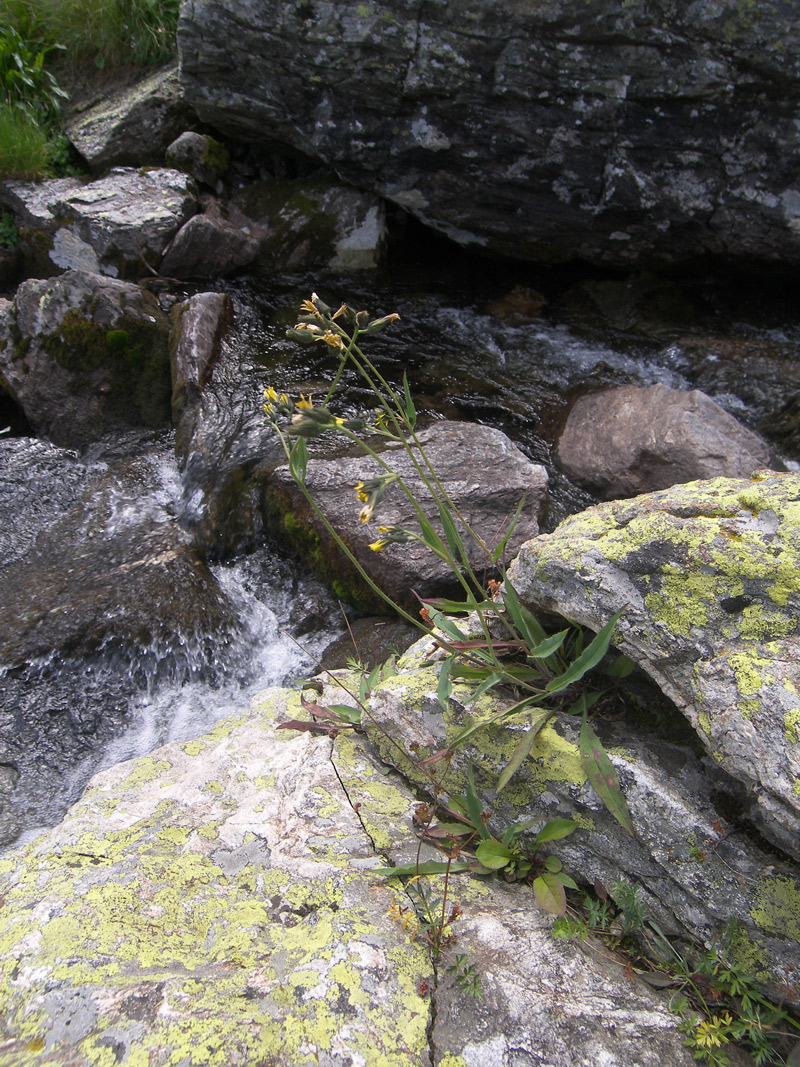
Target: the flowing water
(65, 717)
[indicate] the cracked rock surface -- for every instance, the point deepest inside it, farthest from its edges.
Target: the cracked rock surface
(217, 903)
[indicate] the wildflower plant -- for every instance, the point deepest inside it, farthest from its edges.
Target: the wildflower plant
(501, 645)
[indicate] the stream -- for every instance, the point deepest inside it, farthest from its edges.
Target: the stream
(65, 715)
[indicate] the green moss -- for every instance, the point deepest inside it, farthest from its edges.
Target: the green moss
(216, 156)
(133, 357)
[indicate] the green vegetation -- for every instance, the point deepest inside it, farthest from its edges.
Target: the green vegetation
(718, 1005)
(35, 34)
(107, 33)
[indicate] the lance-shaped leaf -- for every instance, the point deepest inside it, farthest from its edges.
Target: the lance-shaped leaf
(523, 749)
(444, 688)
(452, 536)
(555, 829)
(602, 775)
(548, 646)
(589, 658)
(410, 410)
(298, 461)
(550, 894)
(501, 547)
(526, 624)
(411, 870)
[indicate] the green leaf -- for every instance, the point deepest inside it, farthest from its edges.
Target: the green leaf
(600, 772)
(449, 829)
(621, 667)
(475, 806)
(446, 624)
(430, 536)
(589, 658)
(566, 881)
(452, 536)
(410, 410)
(411, 870)
(555, 829)
(522, 751)
(347, 712)
(550, 894)
(493, 854)
(455, 606)
(444, 688)
(548, 646)
(526, 624)
(298, 461)
(511, 527)
(553, 864)
(493, 679)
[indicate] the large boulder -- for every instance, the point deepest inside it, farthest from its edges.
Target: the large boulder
(208, 246)
(218, 902)
(133, 126)
(83, 354)
(117, 225)
(706, 577)
(484, 473)
(629, 440)
(547, 131)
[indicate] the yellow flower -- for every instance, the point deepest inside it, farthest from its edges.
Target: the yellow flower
(382, 542)
(310, 309)
(366, 513)
(270, 393)
(342, 311)
(331, 338)
(361, 493)
(303, 403)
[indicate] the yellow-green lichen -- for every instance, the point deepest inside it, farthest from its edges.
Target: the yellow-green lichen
(777, 911)
(791, 722)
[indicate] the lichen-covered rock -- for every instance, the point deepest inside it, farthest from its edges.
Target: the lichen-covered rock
(108, 226)
(630, 440)
(200, 155)
(484, 473)
(694, 874)
(707, 577)
(84, 354)
(217, 903)
(134, 126)
(312, 225)
(556, 130)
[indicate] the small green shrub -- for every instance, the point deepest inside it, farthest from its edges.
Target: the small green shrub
(25, 83)
(23, 145)
(9, 234)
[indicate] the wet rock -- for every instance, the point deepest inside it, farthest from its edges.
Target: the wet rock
(134, 126)
(38, 484)
(235, 870)
(484, 473)
(631, 440)
(200, 155)
(83, 354)
(706, 576)
(370, 640)
(198, 327)
(642, 303)
(108, 226)
(557, 131)
(208, 246)
(314, 224)
(109, 573)
(694, 872)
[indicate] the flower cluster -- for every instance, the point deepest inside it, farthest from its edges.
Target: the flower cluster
(390, 535)
(371, 493)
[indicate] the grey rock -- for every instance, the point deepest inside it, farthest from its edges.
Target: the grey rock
(311, 225)
(239, 868)
(198, 327)
(706, 577)
(485, 474)
(132, 127)
(208, 246)
(200, 155)
(551, 131)
(693, 872)
(631, 440)
(106, 572)
(83, 354)
(116, 225)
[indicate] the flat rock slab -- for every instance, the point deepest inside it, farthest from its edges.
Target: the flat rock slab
(134, 126)
(485, 474)
(706, 575)
(631, 440)
(109, 225)
(216, 903)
